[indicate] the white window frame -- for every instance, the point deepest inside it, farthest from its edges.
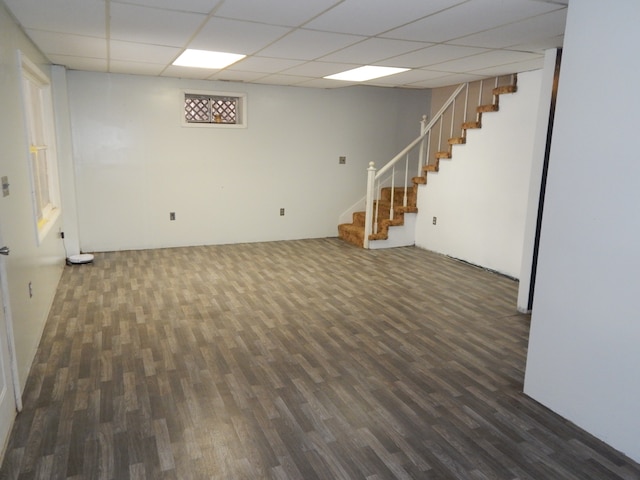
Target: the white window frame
(241, 109)
(41, 146)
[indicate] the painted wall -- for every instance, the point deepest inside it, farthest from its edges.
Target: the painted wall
(135, 162)
(41, 265)
(584, 346)
(480, 196)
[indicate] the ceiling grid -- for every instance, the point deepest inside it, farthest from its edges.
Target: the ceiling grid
(289, 42)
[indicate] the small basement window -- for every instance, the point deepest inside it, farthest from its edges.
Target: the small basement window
(213, 109)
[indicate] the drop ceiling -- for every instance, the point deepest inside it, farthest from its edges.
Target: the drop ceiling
(298, 42)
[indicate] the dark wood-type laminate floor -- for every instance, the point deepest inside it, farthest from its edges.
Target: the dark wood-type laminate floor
(305, 359)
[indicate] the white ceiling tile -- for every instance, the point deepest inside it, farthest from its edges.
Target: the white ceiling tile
(432, 56)
(79, 17)
(150, 25)
(279, 79)
(80, 63)
(186, 72)
(53, 43)
(142, 52)
(276, 12)
(468, 18)
(324, 83)
(318, 69)
(523, 66)
(234, 36)
(237, 76)
(264, 64)
(372, 51)
(197, 6)
(491, 58)
(309, 44)
(446, 80)
(407, 77)
(518, 33)
(540, 44)
(135, 68)
(374, 17)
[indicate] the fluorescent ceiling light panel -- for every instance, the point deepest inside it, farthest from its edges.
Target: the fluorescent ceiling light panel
(369, 72)
(206, 59)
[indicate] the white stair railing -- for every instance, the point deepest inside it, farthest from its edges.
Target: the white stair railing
(374, 177)
(426, 146)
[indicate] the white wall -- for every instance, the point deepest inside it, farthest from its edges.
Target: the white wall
(41, 265)
(584, 346)
(480, 196)
(135, 163)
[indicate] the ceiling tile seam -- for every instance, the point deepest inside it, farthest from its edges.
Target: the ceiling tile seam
(418, 20)
(320, 59)
(172, 10)
(512, 23)
(209, 16)
(502, 65)
(107, 29)
(486, 29)
(390, 58)
(292, 30)
(379, 34)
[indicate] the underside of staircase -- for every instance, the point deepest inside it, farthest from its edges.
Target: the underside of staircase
(354, 232)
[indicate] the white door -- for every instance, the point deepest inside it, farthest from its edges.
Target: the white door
(7, 395)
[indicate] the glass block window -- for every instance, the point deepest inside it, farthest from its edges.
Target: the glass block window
(212, 109)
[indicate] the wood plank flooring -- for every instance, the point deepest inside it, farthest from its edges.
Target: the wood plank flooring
(307, 359)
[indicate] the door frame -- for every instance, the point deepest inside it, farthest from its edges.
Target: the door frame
(8, 320)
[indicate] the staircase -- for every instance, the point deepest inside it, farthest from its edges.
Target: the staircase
(392, 203)
(354, 232)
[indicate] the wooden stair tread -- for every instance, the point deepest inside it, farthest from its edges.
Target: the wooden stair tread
(505, 89)
(419, 180)
(471, 125)
(407, 209)
(492, 107)
(443, 155)
(353, 234)
(379, 236)
(457, 141)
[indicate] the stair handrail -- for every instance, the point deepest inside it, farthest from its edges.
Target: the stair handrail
(427, 128)
(373, 174)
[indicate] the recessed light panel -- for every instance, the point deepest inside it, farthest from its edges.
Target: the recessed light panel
(207, 59)
(369, 72)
